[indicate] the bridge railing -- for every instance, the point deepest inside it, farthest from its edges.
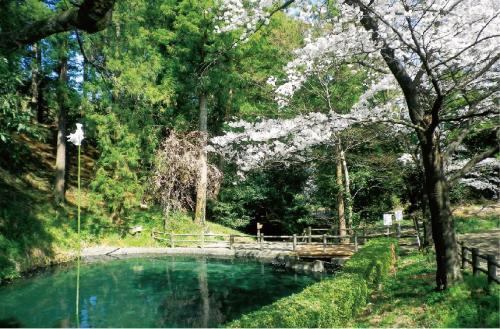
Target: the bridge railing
(264, 241)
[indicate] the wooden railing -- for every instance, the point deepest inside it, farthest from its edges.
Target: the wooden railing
(202, 239)
(325, 240)
(475, 260)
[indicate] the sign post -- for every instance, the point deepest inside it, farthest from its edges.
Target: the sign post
(259, 227)
(398, 216)
(388, 222)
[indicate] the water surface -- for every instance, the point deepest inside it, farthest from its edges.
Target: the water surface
(147, 292)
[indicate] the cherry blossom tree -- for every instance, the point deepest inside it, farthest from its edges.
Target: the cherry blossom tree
(441, 57)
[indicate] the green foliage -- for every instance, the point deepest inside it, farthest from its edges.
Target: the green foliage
(272, 197)
(333, 302)
(116, 188)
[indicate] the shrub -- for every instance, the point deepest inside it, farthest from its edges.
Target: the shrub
(332, 302)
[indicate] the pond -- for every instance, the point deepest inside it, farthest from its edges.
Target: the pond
(156, 291)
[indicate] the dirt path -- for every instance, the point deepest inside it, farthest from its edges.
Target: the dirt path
(487, 242)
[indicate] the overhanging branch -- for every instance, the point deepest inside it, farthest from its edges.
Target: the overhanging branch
(472, 162)
(91, 16)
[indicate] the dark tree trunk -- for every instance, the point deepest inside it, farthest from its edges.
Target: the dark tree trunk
(36, 78)
(61, 153)
(443, 231)
(426, 221)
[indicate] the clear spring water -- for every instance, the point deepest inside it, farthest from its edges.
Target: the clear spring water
(147, 292)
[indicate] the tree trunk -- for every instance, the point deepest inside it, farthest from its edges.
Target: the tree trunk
(36, 67)
(340, 194)
(426, 221)
(201, 188)
(60, 186)
(443, 232)
(166, 217)
(347, 189)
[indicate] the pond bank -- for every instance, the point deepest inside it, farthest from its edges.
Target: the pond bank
(207, 251)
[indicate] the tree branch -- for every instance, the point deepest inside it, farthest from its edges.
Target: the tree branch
(91, 16)
(472, 162)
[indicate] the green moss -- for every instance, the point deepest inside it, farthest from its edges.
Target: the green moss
(333, 302)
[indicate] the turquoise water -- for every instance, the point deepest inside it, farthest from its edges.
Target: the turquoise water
(147, 292)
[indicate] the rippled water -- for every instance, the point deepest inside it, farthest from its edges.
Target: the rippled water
(147, 292)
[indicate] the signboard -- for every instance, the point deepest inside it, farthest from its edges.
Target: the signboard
(387, 219)
(398, 215)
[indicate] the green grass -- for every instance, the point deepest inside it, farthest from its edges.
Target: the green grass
(333, 302)
(473, 224)
(409, 300)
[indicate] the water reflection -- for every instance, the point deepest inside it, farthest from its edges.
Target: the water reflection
(147, 292)
(11, 322)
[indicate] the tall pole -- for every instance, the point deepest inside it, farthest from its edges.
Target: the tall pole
(79, 247)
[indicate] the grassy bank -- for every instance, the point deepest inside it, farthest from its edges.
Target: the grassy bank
(409, 300)
(36, 232)
(333, 302)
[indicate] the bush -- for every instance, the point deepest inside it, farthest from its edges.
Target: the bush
(332, 302)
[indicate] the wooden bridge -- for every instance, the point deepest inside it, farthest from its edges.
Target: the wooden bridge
(306, 245)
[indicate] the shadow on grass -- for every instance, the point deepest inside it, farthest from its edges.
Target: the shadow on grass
(409, 299)
(22, 233)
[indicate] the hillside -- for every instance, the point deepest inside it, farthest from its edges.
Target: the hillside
(34, 231)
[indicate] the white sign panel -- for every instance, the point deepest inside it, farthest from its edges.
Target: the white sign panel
(387, 219)
(398, 215)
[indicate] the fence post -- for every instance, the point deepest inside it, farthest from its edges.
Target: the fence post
(475, 261)
(202, 239)
(309, 233)
(324, 242)
(261, 240)
(294, 242)
(355, 241)
(492, 268)
(398, 230)
(364, 235)
(171, 240)
(231, 241)
(464, 255)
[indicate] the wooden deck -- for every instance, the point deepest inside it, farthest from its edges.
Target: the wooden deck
(330, 251)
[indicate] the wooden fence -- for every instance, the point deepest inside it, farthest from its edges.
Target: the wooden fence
(475, 261)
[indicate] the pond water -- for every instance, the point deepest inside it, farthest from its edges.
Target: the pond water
(147, 292)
